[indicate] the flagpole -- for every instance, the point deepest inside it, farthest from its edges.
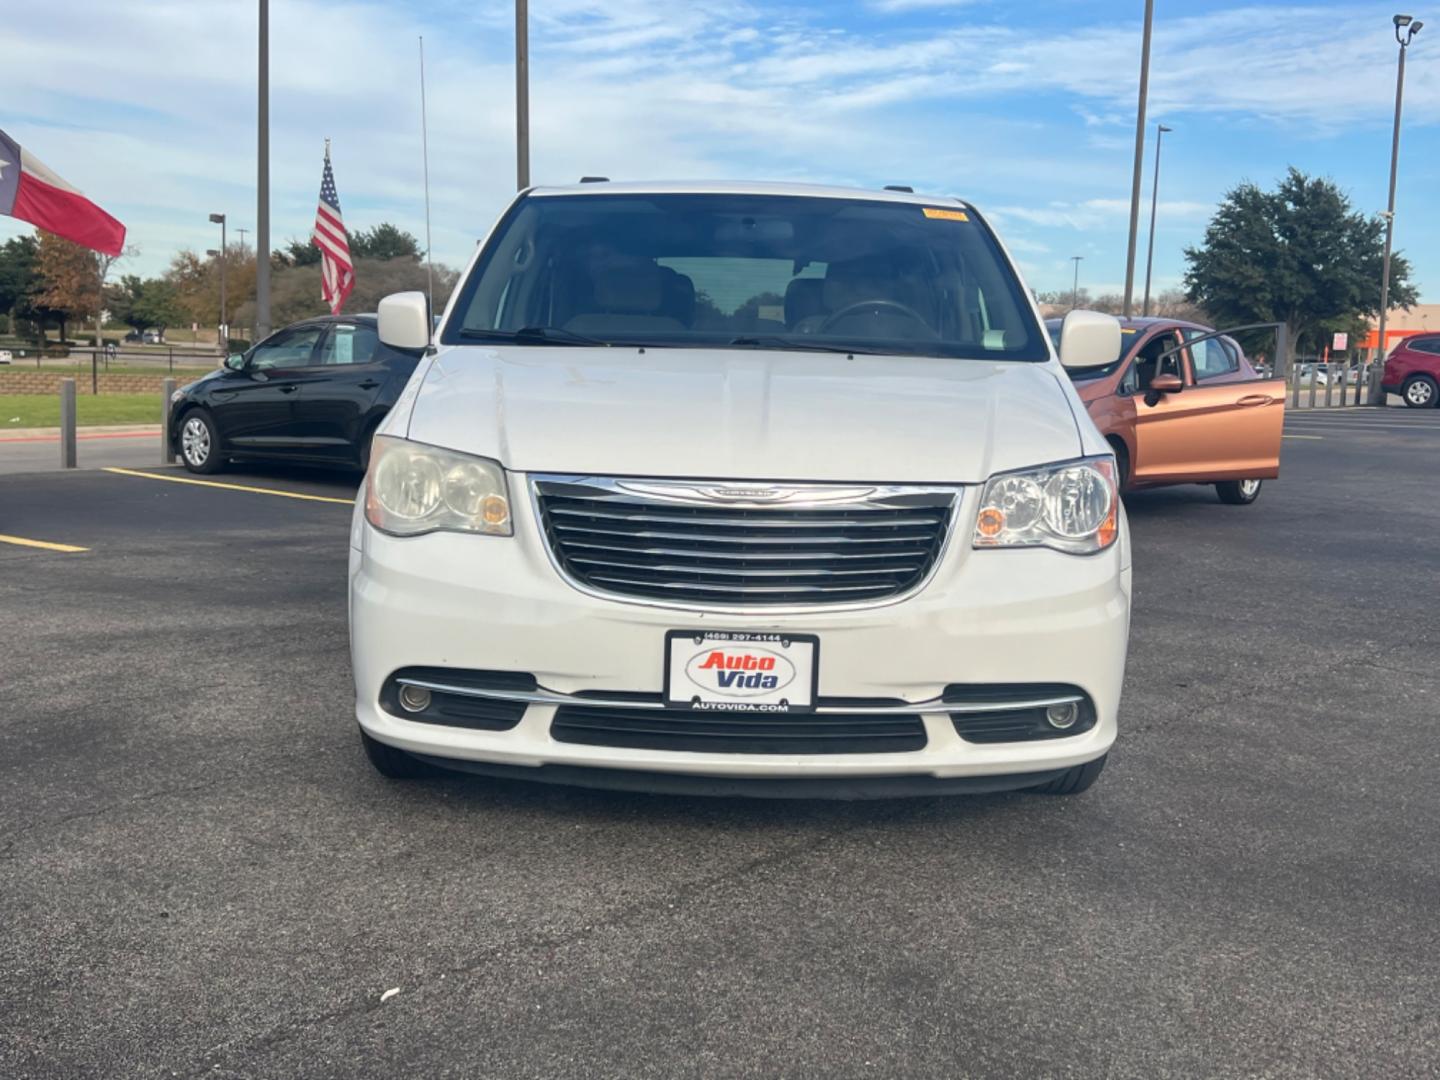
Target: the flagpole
(425, 157)
(262, 216)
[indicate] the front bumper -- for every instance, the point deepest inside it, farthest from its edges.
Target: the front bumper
(448, 600)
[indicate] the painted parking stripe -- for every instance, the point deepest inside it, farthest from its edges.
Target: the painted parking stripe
(232, 487)
(1316, 437)
(44, 545)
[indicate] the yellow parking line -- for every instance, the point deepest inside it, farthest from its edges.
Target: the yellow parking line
(1302, 437)
(232, 487)
(43, 544)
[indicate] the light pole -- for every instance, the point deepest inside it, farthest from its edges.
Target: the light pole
(262, 184)
(1160, 130)
(219, 219)
(1405, 30)
(1139, 158)
(522, 96)
(1075, 291)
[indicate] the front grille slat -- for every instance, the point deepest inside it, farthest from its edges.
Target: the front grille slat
(746, 733)
(688, 550)
(739, 590)
(724, 538)
(744, 571)
(752, 519)
(748, 555)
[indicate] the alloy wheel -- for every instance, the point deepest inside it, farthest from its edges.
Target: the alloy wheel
(1249, 488)
(1419, 392)
(195, 441)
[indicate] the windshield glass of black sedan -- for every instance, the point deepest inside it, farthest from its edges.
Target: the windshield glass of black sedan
(747, 271)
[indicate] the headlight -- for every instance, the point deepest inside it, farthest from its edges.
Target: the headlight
(1072, 506)
(413, 488)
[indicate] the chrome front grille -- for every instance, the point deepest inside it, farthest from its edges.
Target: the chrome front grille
(712, 544)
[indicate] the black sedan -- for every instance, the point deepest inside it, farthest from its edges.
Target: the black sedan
(311, 393)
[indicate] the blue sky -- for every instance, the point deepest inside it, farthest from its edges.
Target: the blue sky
(150, 109)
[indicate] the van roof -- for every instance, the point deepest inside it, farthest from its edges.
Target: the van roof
(747, 187)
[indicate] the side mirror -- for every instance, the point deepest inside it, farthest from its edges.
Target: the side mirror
(235, 361)
(1089, 339)
(405, 321)
(1161, 385)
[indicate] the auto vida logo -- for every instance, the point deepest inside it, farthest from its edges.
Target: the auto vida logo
(743, 672)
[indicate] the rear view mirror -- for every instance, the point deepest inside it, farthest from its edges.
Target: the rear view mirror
(405, 321)
(1163, 384)
(1089, 339)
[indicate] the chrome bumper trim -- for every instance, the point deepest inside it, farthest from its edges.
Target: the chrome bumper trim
(551, 697)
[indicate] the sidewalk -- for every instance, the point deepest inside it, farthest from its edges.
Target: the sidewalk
(29, 450)
(102, 431)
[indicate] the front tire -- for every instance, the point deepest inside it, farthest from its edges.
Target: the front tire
(1420, 392)
(1075, 780)
(200, 443)
(1238, 492)
(390, 762)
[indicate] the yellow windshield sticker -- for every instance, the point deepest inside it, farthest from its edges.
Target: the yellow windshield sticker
(945, 215)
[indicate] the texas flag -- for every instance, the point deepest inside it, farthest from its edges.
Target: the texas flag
(31, 192)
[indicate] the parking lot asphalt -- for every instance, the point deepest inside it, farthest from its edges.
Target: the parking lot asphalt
(200, 875)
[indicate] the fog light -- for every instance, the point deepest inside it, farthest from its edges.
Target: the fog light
(1063, 716)
(414, 699)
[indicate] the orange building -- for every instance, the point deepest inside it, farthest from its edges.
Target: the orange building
(1402, 323)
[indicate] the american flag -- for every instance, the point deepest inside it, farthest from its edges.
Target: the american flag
(337, 272)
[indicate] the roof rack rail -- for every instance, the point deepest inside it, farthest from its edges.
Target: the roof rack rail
(900, 187)
(594, 179)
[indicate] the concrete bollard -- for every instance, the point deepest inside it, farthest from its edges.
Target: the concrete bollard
(167, 389)
(67, 423)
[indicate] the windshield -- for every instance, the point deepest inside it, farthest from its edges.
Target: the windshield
(1128, 335)
(746, 271)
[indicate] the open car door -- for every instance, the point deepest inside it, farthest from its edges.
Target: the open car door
(1223, 422)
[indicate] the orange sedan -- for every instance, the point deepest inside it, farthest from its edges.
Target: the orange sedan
(1183, 405)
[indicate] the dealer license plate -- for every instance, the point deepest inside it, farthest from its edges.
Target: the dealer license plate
(733, 671)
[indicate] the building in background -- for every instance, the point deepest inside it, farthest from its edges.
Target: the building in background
(1402, 322)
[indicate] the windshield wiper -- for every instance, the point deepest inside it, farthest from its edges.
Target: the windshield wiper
(537, 335)
(775, 341)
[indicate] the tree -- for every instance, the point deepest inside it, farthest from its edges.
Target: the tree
(298, 253)
(295, 291)
(1298, 255)
(68, 279)
(384, 241)
(157, 306)
(196, 281)
(122, 299)
(18, 282)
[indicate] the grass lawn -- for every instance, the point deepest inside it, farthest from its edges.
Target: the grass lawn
(43, 410)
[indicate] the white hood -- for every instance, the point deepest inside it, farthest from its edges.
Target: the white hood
(737, 414)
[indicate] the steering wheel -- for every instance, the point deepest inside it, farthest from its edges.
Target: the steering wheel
(850, 309)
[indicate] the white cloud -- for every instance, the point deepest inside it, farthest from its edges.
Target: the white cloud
(918, 5)
(631, 88)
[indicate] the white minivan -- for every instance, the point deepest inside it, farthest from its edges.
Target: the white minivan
(741, 488)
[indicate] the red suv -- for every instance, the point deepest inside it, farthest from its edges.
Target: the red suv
(1413, 371)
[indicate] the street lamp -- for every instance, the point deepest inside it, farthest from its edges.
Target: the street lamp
(1075, 292)
(1160, 130)
(1139, 157)
(1406, 28)
(219, 219)
(522, 94)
